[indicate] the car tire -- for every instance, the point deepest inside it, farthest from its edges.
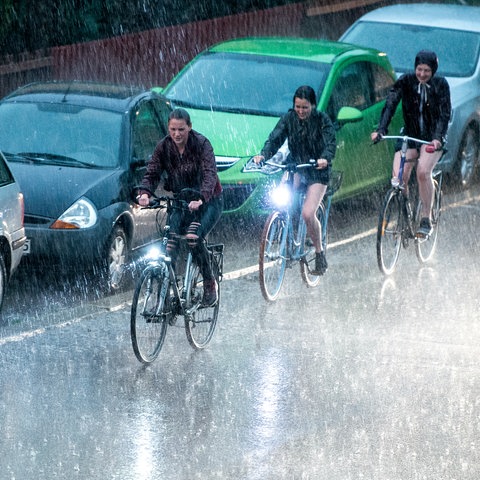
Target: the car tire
(467, 159)
(3, 279)
(116, 257)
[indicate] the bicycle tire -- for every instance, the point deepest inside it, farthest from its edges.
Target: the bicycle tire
(425, 248)
(307, 262)
(390, 232)
(201, 323)
(272, 257)
(148, 319)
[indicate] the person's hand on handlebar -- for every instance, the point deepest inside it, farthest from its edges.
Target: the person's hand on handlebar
(143, 200)
(437, 144)
(321, 164)
(194, 205)
(376, 137)
(258, 159)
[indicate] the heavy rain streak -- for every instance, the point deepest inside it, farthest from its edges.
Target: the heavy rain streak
(363, 376)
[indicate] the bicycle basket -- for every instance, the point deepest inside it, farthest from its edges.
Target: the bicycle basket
(334, 183)
(217, 256)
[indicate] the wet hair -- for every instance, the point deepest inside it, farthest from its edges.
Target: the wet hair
(427, 57)
(305, 92)
(180, 114)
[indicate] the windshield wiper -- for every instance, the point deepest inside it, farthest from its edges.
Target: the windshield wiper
(49, 158)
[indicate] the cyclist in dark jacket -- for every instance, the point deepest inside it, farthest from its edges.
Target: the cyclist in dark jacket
(426, 111)
(186, 159)
(311, 135)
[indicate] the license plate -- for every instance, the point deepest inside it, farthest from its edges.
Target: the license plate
(26, 247)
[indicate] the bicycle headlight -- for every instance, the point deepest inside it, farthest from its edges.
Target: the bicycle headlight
(281, 196)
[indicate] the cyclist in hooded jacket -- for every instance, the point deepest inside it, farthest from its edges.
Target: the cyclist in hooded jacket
(426, 109)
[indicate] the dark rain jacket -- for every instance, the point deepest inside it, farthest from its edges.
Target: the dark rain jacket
(437, 109)
(195, 168)
(310, 138)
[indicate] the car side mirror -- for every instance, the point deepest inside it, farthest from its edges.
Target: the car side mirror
(349, 115)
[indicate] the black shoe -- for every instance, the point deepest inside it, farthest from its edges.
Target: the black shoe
(210, 293)
(321, 264)
(425, 228)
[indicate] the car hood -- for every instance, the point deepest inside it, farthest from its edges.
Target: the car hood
(50, 189)
(233, 134)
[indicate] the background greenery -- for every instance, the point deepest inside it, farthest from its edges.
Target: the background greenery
(29, 25)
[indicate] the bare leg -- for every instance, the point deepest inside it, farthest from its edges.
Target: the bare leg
(314, 196)
(426, 164)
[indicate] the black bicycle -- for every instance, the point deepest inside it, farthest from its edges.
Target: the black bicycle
(162, 294)
(400, 215)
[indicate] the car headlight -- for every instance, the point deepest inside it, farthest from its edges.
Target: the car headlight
(82, 214)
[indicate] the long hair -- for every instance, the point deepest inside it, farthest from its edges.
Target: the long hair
(305, 92)
(180, 114)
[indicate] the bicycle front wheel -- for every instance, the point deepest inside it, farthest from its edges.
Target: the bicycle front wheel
(200, 323)
(272, 258)
(307, 263)
(389, 232)
(425, 247)
(148, 322)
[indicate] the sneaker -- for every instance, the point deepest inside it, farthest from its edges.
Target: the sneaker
(210, 293)
(425, 228)
(321, 264)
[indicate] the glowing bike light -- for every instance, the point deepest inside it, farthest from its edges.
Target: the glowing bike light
(281, 196)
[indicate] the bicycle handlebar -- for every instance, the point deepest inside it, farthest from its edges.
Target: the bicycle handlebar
(291, 166)
(405, 139)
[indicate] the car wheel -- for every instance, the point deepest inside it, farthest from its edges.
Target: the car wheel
(117, 252)
(3, 279)
(467, 160)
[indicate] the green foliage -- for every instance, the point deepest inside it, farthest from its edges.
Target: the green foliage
(29, 25)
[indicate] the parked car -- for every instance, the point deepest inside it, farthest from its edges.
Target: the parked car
(12, 231)
(236, 91)
(453, 32)
(78, 150)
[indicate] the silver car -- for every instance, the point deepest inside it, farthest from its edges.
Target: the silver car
(453, 32)
(12, 232)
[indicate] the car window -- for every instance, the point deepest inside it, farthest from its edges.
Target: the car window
(245, 83)
(458, 51)
(85, 134)
(382, 81)
(147, 131)
(5, 174)
(353, 88)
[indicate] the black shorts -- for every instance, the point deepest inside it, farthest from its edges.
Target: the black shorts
(310, 176)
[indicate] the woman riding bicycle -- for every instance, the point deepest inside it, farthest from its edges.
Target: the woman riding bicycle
(187, 159)
(310, 135)
(426, 111)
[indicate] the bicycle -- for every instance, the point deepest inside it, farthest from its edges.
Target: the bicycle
(161, 294)
(400, 215)
(284, 240)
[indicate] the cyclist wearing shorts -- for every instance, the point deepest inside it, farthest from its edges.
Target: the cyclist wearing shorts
(187, 160)
(311, 135)
(426, 111)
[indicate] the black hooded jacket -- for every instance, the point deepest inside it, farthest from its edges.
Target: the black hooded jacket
(437, 110)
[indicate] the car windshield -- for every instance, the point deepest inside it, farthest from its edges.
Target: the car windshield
(457, 50)
(244, 83)
(60, 132)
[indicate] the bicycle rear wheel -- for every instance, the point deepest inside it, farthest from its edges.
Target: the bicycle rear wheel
(148, 322)
(272, 258)
(201, 322)
(390, 232)
(307, 262)
(425, 247)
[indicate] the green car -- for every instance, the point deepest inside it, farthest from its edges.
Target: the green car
(236, 91)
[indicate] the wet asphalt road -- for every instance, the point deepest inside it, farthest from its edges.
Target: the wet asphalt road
(363, 377)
